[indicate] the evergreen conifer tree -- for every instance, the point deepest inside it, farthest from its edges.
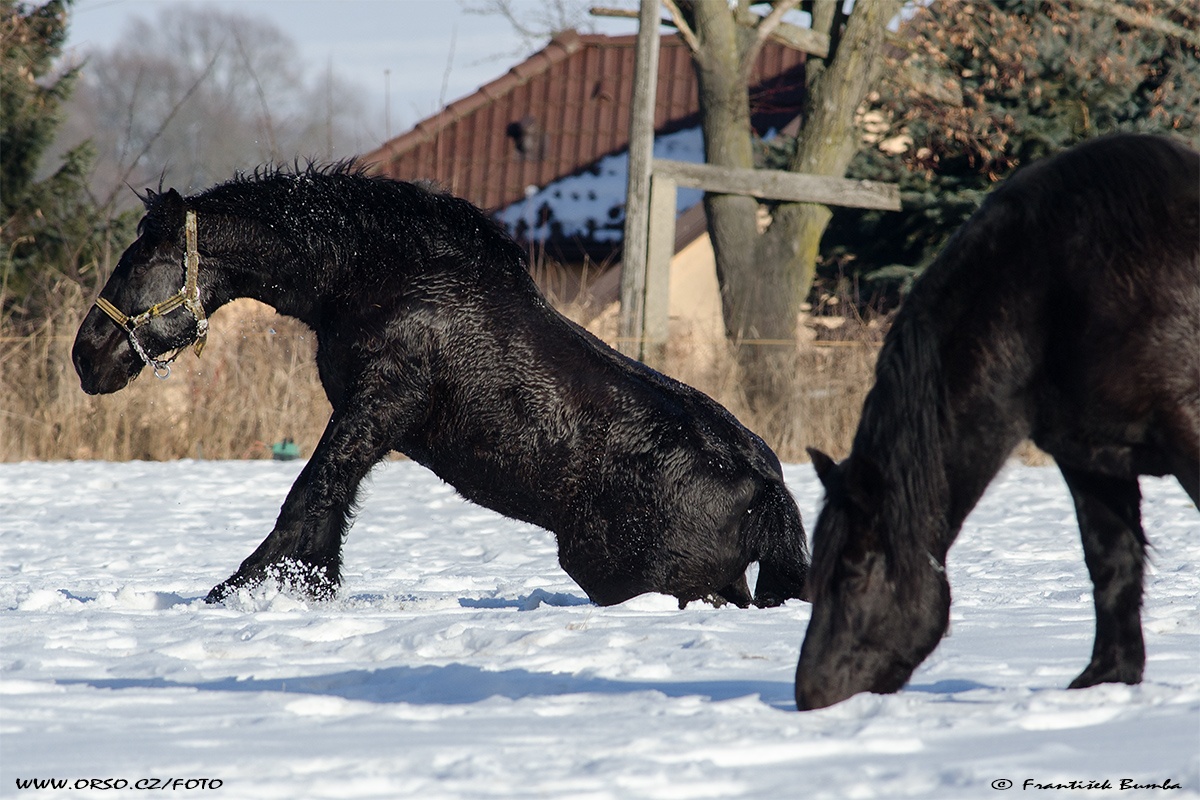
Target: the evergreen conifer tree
(50, 229)
(978, 89)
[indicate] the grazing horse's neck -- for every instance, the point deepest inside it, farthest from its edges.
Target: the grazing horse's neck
(898, 456)
(947, 409)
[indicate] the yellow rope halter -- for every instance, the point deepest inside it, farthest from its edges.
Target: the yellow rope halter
(188, 297)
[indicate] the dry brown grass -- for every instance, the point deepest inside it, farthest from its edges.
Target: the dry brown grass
(835, 367)
(832, 379)
(257, 384)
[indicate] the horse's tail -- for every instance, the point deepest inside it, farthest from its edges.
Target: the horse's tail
(773, 532)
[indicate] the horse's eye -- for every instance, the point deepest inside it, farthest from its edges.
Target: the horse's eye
(142, 266)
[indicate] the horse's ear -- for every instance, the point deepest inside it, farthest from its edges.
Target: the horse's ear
(171, 201)
(823, 464)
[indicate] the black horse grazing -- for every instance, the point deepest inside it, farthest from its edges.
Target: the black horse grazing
(434, 341)
(1067, 309)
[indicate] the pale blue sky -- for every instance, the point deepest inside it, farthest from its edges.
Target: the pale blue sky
(424, 43)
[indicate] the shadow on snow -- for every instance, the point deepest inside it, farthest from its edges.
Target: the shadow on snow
(460, 684)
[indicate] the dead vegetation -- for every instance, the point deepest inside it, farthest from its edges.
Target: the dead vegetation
(257, 384)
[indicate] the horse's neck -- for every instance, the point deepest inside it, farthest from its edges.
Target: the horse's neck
(937, 427)
(263, 268)
(901, 435)
(984, 369)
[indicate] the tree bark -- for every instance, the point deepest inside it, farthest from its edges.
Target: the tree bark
(830, 137)
(750, 288)
(765, 277)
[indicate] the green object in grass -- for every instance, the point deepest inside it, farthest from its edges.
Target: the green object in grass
(287, 450)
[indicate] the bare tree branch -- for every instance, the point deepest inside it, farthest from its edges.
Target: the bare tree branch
(766, 25)
(762, 31)
(551, 17)
(262, 97)
(681, 25)
(196, 84)
(1140, 19)
(806, 40)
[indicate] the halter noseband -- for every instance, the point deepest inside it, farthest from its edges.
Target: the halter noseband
(188, 297)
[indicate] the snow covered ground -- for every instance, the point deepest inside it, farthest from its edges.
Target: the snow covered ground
(460, 662)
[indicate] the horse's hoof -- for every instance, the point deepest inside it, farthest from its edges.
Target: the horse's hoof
(302, 578)
(1089, 678)
(1095, 675)
(219, 593)
(294, 577)
(714, 599)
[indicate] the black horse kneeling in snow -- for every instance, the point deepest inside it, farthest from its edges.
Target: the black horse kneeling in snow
(434, 341)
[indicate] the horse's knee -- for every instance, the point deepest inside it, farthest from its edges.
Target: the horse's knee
(774, 587)
(737, 593)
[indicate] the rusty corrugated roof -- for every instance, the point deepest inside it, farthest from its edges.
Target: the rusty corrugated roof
(561, 110)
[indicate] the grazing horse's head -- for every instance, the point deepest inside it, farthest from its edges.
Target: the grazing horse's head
(150, 305)
(877, 610)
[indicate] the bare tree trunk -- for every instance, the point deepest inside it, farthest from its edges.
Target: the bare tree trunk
(750, 299)
(726, 127)
(766, 277)
(830, 137)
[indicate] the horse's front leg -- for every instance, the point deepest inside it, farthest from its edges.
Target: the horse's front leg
(304, 550)
(1114, 548)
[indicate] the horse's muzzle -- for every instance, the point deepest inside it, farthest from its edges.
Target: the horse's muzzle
(103, 368)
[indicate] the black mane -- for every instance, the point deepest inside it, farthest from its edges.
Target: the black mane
(1106, 197)
(341, 213)
(897, 457)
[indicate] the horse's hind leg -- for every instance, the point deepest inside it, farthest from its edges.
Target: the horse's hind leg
(1188, 475)
(775, 584)
(736, 592)
(777, 537)
(1114, 547)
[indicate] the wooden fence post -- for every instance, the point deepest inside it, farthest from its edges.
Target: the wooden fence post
(650, 199)
(631, 331)
(660, 246)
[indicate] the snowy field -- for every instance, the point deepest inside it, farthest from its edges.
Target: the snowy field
(459, 661)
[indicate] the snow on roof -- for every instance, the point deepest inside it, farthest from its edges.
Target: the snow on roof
(591, 205)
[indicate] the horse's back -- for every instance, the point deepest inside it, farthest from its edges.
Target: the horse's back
(1120, 241)
(572, 423)
(644, 480)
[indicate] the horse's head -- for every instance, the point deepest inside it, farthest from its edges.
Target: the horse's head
(877, 613)
(150, 305)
